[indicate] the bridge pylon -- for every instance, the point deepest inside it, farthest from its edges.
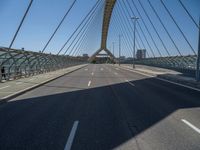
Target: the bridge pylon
(105, 26)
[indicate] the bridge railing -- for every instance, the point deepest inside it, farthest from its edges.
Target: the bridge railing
(16, 63)
(185, 64)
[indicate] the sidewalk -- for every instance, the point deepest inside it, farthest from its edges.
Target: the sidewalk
(168, 74)
(13, 88)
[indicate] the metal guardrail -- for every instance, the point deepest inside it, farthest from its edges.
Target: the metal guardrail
(173, 62)
(184, 64)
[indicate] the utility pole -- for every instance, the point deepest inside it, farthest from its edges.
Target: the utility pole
(119, 48)
(135, 21)
(198, 58)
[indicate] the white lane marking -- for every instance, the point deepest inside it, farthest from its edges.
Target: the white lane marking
(117, 68)
(5, 87)
(19, 83)
(92, 73)
(165, 80)
(89, 83)
(186, 86)
(31, 79)
(86, 69)
(71, 136)
(116, 73)
(191, 125)
(101, 69)
(129, 82)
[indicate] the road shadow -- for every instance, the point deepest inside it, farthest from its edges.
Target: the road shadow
(108, 116)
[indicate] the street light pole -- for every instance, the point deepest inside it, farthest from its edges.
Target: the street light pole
(135, 21)
(113, 48)
(119, 48)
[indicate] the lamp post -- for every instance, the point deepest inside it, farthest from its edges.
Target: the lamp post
(119, 48)
(135, 21)
(113, 43)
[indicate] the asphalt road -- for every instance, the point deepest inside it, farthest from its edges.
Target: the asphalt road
(101, 107)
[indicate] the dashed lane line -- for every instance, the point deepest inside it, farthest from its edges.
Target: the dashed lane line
(129, 82)
(71, 136)
(19, 83)
(4, 87)
(89, 83)
(191, 125)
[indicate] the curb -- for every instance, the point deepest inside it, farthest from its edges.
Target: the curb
(9, 97)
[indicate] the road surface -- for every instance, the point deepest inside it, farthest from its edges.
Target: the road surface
(102, 107)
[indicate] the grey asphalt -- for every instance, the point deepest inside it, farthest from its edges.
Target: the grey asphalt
(116, 109)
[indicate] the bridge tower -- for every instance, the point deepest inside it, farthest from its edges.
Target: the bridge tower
(105, 26)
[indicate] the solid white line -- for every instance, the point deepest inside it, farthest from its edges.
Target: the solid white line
(191, 125)
(5, 87)
(165, 80)
(71, 136)
(186, 86)
(89, 83)
(92, 73)
(129, 82)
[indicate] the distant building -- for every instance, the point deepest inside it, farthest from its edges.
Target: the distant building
(122, 58)
(129, 58)
(141, 54)
(85, 55)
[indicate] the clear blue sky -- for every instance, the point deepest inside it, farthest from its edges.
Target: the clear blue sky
(189, 29)
(41, 21)
(44, 16)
